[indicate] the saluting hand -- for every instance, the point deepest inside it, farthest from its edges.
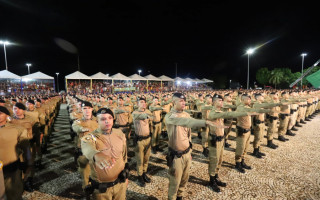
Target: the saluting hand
(103, 161)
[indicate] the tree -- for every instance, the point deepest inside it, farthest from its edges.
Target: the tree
(263, 76)
(276, 77)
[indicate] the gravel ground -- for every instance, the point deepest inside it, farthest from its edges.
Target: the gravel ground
(290, 172)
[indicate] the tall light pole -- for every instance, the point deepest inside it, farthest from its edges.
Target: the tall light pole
(4, 43)
(139, 71)
(58, 80)
(230, 84)
(303, 55)
(28, 64)
(249, 52)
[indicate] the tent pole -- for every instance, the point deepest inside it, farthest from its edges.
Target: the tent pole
(67, 85)
(147, 86)
(91, 84)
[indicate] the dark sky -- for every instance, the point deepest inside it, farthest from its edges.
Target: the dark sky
(205, 38)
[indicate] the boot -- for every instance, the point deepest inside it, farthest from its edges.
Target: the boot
(302, 122)
(219, 182)
(256, 153)
(159, 149)
(146, 178)
(226, 144)
(205, 152)
(294, 128)
(213, 184)
(290, 133)
(239, 167)
(282, 139)
(28, 185)
(244, 165)
(179, 198)
(141, 181)
(262, 154)
(298, 125)
(271, 145)
(307, 119)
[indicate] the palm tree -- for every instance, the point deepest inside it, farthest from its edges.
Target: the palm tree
(276, 77)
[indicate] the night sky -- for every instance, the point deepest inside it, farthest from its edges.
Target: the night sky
(206, 39)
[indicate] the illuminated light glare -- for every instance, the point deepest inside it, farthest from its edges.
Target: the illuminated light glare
(4, 42)
(178, 82)
(188, 83)
(250, 51)
(304, 54)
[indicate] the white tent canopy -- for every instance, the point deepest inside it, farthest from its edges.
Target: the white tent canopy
(207, 80)
(37, 75)
(120, 77)
(198, 80)
(179, 79)
(165, 78)
(189, 79)
(101, 76)
(136, 77)
(150, 77)
(77, 75)
(8, 75)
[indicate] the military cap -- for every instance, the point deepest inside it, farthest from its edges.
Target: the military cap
(20, 106)
(4, 110)
(217, 96)
(283, 93)
(199, 95)
(226, 95)
(120, 97)
(257, 95)
(141, 98)
(2, 101)
(105, 111)
(179, 95)
(208, 95)
(39, 100)
(30, 101)
(14, 100)
(86, 103)
(109, 98)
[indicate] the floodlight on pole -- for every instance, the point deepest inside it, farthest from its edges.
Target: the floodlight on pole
(303, 55)
(58, 80)
(4, 43)
(139, 71)
(249, 52)
(28, 65)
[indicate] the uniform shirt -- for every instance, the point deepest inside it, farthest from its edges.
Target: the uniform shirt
(79, 125)
(122, 115)
(245, 121)
(258, 104)
(156, 113)
(166, 105)
(141, 121)
(179, 124)
(112, 145)
(27, 122)
(11, 137)
(205, 109)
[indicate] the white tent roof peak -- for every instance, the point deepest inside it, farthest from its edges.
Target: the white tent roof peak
(8, 75)
(77, 75)
(207, 80)
(178, 79)
(165, 78)
(120, 77)
(37, 75)
(101, 76)
(189, 79)
(136, 77)
(150, 77)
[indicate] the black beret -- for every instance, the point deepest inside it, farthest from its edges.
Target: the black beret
(283, 93)
(208, 95)
(273, 93)
(257, 95)
(14, 100)
(226, 95)
(120, 97)
(105, 111)
(86, 103)
(20, 106)
(199, 95)
(2, 101)
(30, 101)
(217, 96)
(109, 98)
(39, 100)
(4, 110)
(141, 98)
(179, 95)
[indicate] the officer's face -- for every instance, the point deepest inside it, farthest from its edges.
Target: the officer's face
(105, 121)
(17, 111)
(30, 106)
(180, 104)
(120, 102)
(142, 104)
(209, 100)
(3, 117)
(247, 101)
(87, 112)
(155, 101)
(218, 103)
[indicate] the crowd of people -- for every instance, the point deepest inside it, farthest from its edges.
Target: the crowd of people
(104, 125)
(31, 88)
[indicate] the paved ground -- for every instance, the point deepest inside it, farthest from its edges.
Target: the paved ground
(290, 172)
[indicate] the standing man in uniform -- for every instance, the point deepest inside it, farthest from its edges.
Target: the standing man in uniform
(82, 127)
(179, 124)
(156, 111)
(106, 150)
(122, 115)
(141, 121)
(205, 109)
(13, 137)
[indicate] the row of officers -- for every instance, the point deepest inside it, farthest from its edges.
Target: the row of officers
(26, 124)
(104, 127)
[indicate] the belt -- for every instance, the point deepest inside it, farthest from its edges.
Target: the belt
(309, 104)
(126, 125)
(102, 187)
(142, 137)
(180, 153)
(272, 117)
(259, 121)
(12, 167)
(285, 114)
(243, 129)
(294, 110)
(156, 122)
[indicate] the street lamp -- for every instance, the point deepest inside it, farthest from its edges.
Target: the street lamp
(303, 55)
(139, 71)
(4, 43)
(58, 80)
(28, 64)
(249, 52)
(230, 85)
